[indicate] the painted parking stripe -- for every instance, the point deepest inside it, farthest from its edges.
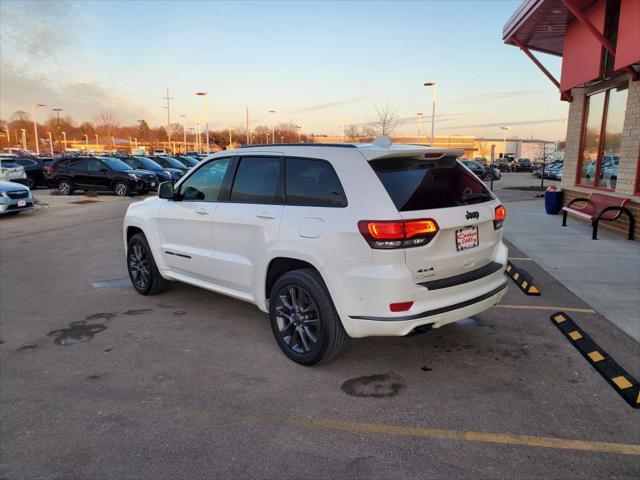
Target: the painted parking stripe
(621, 381)
(331, 424)
(522, 279)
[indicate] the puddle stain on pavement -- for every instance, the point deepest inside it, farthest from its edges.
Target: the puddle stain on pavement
(381, 385)
(77, 332)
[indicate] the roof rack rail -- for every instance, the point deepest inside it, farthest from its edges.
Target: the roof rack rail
(339, 145)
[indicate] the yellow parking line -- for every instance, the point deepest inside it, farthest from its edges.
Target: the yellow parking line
(544, 307)
(339, 425)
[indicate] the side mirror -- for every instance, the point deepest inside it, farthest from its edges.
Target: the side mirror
(165, 190)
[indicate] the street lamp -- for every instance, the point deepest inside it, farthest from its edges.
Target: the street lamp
(24, 138)
(50, 142)
(206, 115)
(230, 137)
(504, 140)
(419, 115)
(86, 140)
(434, 93)
(184, 132)
(198, 136)
(273, 126)
(299, 127)
(35, 126)
(96, 140)
(64, 140)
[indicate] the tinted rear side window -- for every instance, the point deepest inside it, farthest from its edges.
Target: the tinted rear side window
(414, 184)
(257, 181)
(312, 182)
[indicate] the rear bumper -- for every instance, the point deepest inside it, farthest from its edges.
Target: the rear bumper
(362, 294)
(400, 326)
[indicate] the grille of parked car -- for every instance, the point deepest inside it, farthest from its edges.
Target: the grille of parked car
(18, 194)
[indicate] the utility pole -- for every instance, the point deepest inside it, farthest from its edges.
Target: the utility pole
(64, 140)
(168, 107)
(248, 131)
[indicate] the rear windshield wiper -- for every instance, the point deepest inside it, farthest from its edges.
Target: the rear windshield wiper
(476, 196)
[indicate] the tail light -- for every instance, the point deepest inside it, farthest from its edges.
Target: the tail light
(398, 234)
(500, 215)
(47, 170)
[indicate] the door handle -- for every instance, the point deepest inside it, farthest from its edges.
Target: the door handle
(202, 211)
(266, 215)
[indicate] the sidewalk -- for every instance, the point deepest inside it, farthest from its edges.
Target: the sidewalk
(603, 273)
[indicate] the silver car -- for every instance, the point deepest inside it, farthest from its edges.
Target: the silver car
(14, 198)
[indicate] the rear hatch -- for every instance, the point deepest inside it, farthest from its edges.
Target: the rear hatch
(463, 208)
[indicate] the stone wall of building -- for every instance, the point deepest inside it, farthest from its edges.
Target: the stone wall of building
(574, 131)
(630, 145)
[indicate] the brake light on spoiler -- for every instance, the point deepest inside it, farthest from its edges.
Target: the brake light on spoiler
(385, 234)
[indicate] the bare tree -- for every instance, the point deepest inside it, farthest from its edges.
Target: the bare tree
(352, 132)
(106, 123)
(387, 120)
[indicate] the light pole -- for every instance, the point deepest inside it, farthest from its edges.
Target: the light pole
(505, 129)
(64, 140)
(86, 139)
(96, 140)
(58, 110)
(206, 115)
(184, 132)
(35, 126)
(50, 142)
(273, 126)
(230, 136)
(24, 138)
(198, 136)
(419, 115)
(434, 93)
(8, 138)
(135, 141)
(299, 127)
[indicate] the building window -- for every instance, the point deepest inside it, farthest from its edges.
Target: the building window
(601, 139)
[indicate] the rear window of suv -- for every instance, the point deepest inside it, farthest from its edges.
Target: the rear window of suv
(414, 184)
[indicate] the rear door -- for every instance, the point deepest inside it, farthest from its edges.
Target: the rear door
(460, 204)
(246, 225)
(98, 174)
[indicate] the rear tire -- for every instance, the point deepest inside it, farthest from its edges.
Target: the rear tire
(143, 271)
(304, 321)
(65, 187)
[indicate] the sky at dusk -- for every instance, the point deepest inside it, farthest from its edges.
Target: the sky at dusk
(316, 63)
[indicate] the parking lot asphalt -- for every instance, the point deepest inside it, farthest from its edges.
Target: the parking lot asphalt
(98, 382)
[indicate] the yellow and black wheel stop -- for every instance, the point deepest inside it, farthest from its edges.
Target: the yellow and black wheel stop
(621, 381)
(522, 279)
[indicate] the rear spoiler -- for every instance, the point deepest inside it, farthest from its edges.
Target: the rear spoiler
(440, 157)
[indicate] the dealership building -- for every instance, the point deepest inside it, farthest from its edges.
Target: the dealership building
(599, 42)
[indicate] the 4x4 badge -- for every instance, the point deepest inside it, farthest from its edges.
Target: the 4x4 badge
(471, 215)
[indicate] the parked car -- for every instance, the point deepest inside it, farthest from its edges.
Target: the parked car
(331, 241)
(481, 160)
(169, 162)
(34, 169)
(159, 151)
(163, 174)
(522, 165)
(101, 173)
(10, 171)
(502, 164)
(14, 198)
(483, 173)
(188, 162)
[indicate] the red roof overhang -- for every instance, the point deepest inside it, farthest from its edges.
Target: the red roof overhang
(541, 24)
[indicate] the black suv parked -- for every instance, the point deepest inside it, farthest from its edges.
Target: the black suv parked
(163, 174)
(101, 173)
(522, 165)
(168, 162)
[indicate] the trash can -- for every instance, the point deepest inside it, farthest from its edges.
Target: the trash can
(553, 200)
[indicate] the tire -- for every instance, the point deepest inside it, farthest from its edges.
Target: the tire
(143, 272)
(121, 189)
(313, 300)
(65, 187)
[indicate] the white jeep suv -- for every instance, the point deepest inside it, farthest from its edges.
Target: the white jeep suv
(330, 240)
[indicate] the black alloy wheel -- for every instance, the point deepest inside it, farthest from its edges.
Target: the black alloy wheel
(297, 319)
